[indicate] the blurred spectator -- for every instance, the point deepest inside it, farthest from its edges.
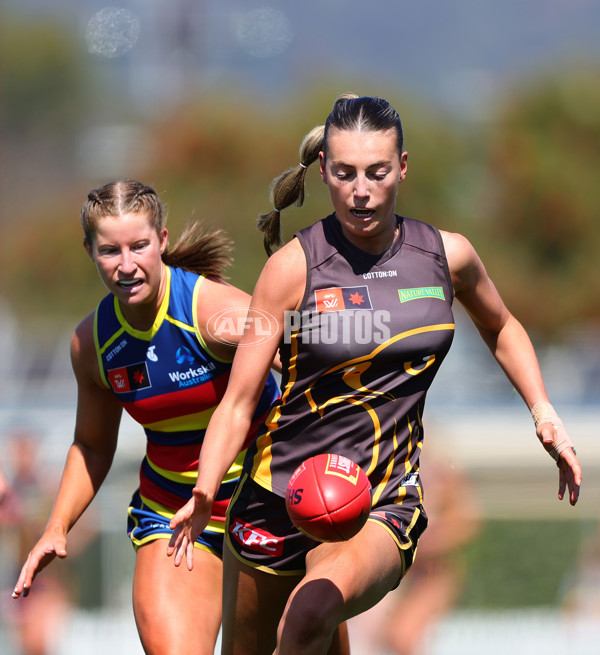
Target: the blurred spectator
(4, 486)
(582, 597)
(35, 624)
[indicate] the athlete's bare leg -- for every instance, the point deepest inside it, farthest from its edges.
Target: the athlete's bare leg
(253, 605)
(342, 580)
(177, 611)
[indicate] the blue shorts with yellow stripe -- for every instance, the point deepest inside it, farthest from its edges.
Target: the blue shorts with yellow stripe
(147, 523)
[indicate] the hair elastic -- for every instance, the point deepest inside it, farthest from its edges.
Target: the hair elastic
(302, 165)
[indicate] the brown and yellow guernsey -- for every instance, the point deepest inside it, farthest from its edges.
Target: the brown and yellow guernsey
(358, 359)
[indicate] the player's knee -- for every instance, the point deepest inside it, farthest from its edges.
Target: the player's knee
(304, 632)
(309, 623)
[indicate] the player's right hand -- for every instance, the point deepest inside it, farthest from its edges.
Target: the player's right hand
(52, 544)
(187, 524)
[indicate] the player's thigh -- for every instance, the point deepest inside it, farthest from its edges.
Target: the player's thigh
(177, 610)
(346, 578)
(253, 602)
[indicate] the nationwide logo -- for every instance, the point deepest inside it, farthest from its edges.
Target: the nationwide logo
(259, 541)
(129, 378)
(421, 292)
(338, 299)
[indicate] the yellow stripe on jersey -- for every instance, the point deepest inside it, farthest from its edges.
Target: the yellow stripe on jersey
(197, 421)
(261, 468)
(146, 335)
(235, 470)
(99, 351)
(180, 324)
(189, 477)
(388, 470)
(182, 477)
(197, 329)
(368, 357)
(167, 512)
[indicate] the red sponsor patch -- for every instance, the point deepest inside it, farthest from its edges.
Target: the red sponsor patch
(338, 299)
(129, 378)
(255, 539)
(119, 380)
(329, 300)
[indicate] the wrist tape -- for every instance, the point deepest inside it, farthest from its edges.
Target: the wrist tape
(544, 413)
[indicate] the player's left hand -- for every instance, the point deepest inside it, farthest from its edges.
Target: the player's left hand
(569, 476)
(187, 524)
(557, 443)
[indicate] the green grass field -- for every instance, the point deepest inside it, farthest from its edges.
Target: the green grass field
(522, 563)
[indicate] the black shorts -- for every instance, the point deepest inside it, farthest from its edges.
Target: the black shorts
(260, 533)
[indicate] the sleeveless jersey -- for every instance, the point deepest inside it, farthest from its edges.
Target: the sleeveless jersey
(358, 359)
(167, 379)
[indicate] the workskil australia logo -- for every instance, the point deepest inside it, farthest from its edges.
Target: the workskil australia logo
(421, 292)
(193, 375)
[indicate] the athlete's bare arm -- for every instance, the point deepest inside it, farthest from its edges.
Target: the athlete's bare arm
(509, 343)
(218, 299)
(279, 288)
(88, 460)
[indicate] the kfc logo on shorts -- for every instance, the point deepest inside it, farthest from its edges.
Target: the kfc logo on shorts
(255, 539)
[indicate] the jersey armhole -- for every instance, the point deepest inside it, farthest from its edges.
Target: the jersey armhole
(307, 287)
(445, 262)
(97, 347)
(197, 329)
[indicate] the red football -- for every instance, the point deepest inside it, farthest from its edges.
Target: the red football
(329, 497)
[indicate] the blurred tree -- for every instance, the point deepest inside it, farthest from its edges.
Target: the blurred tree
(544, 234)
(40, 78)
(520, 187)
(219, 155)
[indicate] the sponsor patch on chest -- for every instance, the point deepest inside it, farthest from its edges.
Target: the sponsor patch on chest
(421, 292)
(337, 299)
(129, 378)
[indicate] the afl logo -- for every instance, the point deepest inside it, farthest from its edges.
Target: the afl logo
(255, 325)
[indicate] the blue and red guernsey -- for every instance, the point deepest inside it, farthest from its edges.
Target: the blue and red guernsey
(168, 380)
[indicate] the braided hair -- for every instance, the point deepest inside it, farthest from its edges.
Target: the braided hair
(197, 249)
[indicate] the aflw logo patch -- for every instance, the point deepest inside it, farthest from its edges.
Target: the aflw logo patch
(129, 378)
(339, 298)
